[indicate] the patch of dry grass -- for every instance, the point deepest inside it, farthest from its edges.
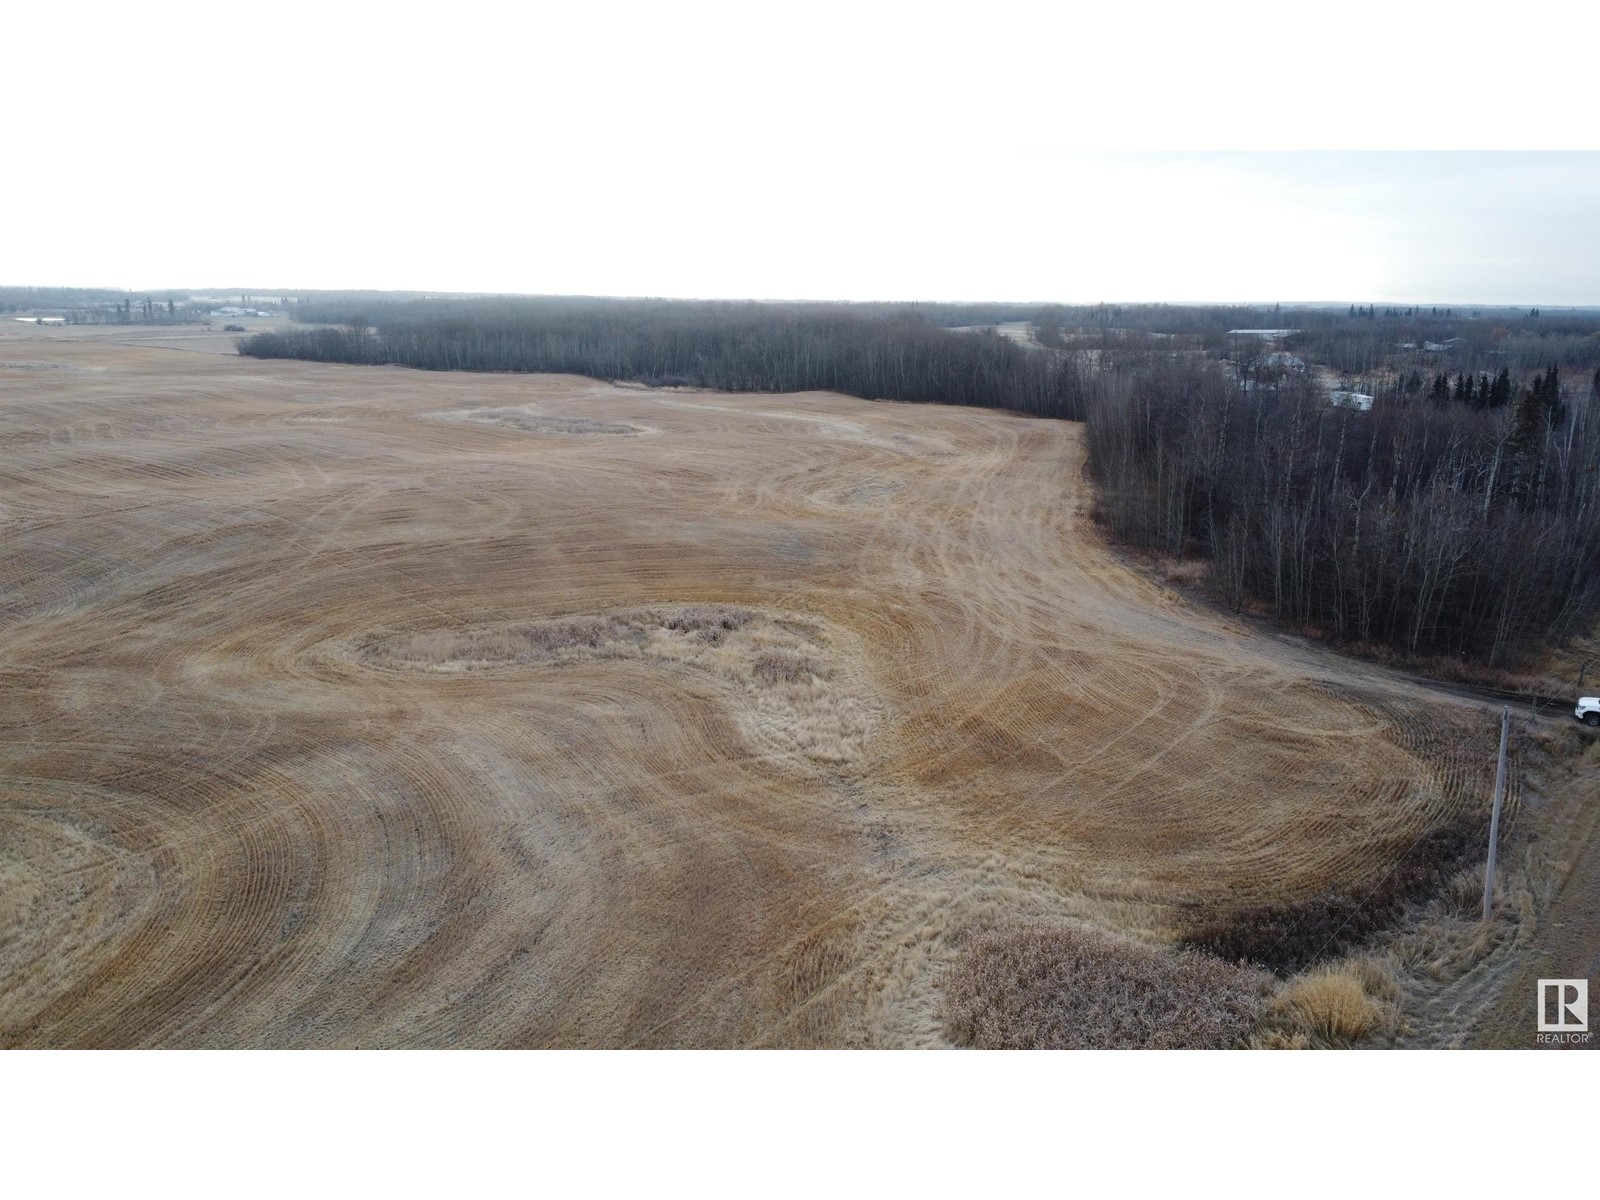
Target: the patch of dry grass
(793, 702)
(708, 622)
(529, 420)
(1062, 987)
(1453, 938)
(785, 666)
(1335, 1005)
(456, 649)
(1191, 572)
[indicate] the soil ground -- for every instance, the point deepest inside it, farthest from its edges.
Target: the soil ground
(364, 707)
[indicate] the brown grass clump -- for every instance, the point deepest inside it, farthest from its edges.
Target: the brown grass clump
(1190, 572)
(1462, 894)
(588, 633)
(1332, 1006)
(784, 666)
(708, 622)
(1058, 987)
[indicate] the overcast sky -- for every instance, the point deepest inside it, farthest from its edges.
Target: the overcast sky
(849, 151)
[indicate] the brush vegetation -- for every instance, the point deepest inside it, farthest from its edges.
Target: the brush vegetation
(1290, 936)
(1061, 987)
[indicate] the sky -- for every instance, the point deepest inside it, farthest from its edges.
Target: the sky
(822, 151)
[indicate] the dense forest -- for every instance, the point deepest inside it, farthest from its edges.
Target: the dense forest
(1431, 524)
(1459, 514)
(892, 354)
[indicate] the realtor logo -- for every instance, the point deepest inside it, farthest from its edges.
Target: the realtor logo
(1564, 1006)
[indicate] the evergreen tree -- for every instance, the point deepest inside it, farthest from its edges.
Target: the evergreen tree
(1550, 396)
(1500, 393)
(1527, 423)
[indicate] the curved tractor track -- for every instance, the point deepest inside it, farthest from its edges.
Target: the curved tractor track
(364, 707)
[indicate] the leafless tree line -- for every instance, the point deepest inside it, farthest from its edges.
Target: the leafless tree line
(1431, 529)
(731, 347)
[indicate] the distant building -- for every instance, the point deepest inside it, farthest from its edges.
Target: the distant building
(1266, 335)
(1289, 362)
(1441, 347)
(1359, 401)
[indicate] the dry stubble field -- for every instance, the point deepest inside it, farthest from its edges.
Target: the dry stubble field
(368, 707)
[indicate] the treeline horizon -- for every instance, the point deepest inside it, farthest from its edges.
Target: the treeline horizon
(727, 346)
(1356, 341)
(111, 306)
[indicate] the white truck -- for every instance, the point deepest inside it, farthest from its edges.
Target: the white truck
(1588, 710)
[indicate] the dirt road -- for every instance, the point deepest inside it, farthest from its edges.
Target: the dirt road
(365, 707)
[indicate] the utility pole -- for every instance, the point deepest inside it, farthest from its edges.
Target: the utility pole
(1494, 818)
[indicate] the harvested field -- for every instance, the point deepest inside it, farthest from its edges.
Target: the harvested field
(325, 721)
